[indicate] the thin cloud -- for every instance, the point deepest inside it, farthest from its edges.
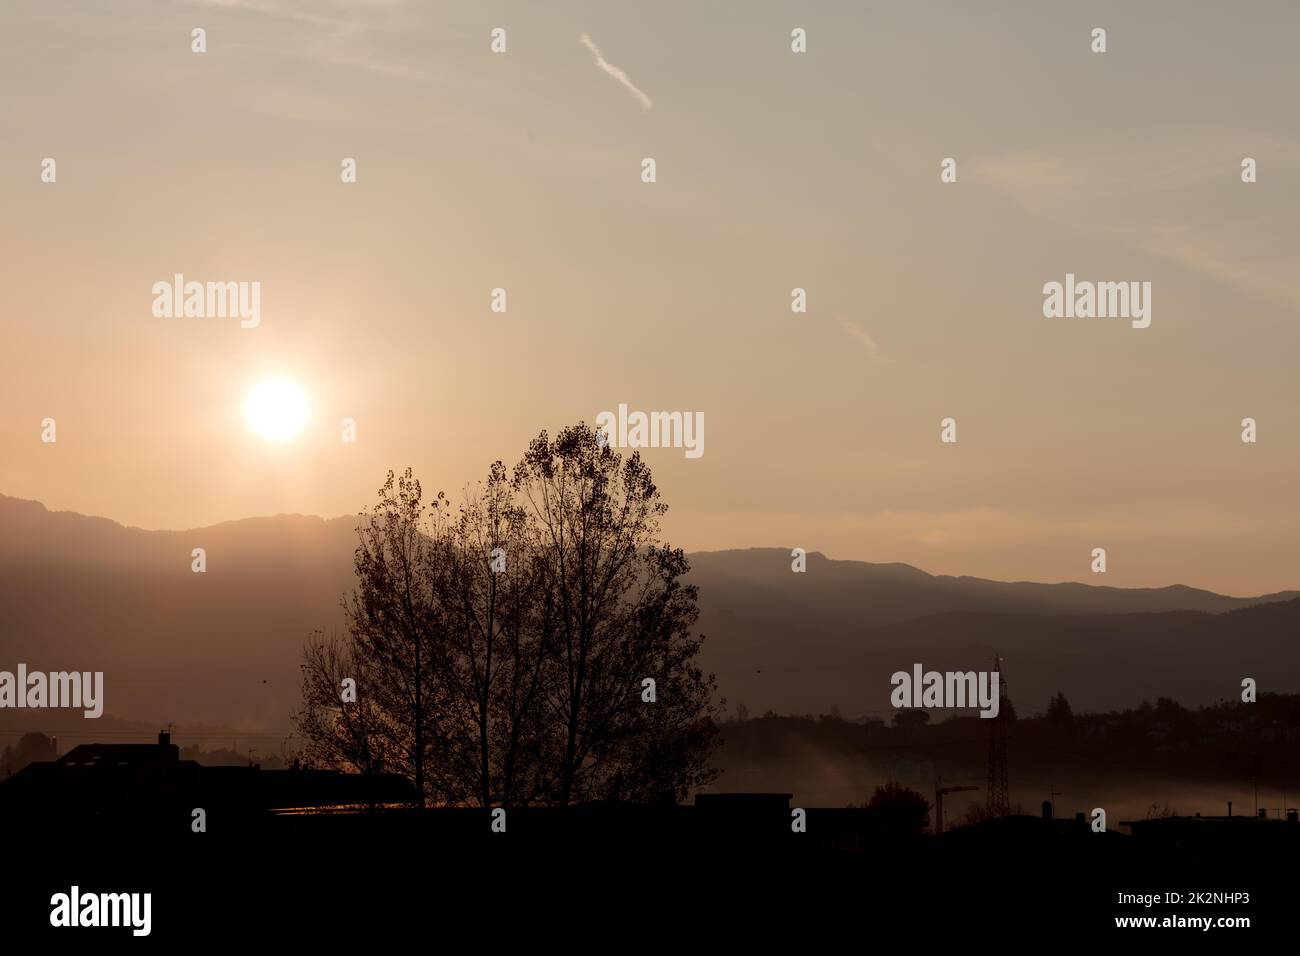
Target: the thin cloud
(854, 331)
(615, 72)
(1149, 197)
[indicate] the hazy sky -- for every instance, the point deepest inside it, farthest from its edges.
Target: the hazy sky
(775, 170)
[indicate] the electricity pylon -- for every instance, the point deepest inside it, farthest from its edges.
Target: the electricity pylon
(999, 800)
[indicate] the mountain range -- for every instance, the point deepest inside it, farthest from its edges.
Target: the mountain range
(224, 647)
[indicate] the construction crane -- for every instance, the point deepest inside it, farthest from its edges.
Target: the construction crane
(939, 792)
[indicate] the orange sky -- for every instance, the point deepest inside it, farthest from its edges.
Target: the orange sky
(775, 171)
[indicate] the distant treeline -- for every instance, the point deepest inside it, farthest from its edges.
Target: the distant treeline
(833, 761)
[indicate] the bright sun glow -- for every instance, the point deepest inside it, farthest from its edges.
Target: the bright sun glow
(277, 410)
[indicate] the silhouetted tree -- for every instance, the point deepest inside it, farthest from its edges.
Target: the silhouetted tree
(1058, 710)
(31, 748)
(392, 622)
(911, 718)
(35, 747)
(370, 735)
(446, 666)
(504, 654)
(979, 813)
(616, 613)
(490, 658)
(1168, 709)
(909, 810)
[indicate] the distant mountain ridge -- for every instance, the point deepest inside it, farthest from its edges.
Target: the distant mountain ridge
(884, 593)
(86, 593)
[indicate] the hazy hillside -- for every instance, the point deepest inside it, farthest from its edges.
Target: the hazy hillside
(88, 594)
(1101, 662)
(798, 643)
(223, 647)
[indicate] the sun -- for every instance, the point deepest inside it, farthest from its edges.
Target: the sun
(277, 410)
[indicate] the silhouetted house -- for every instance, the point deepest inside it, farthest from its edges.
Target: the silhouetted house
(744, 804)
(749, 820)
(1056, 845)
(1218, 836)
(742, 818)
(151, 781)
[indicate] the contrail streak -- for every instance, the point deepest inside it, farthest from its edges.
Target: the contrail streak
(615, 72)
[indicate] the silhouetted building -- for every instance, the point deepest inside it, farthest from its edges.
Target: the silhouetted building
(1217, 836)
(151, 781)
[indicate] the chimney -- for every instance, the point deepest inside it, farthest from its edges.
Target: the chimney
(1229, 808)
(1047, 809)
(164, 738)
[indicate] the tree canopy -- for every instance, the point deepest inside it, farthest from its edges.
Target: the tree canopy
(533, 644)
